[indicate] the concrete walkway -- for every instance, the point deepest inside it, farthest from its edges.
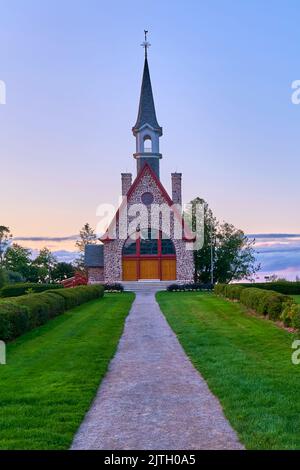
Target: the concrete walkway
(152, 397)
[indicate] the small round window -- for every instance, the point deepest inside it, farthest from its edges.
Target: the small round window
(147, 199)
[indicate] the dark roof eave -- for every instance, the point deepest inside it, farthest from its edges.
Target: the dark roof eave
(137, 129)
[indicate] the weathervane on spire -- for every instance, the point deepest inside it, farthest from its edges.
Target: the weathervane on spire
(146, 44)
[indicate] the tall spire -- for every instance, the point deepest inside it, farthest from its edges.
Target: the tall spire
(146, 130)
(146, 44)
(146, 113)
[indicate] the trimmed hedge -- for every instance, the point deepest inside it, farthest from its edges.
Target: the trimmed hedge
(283, 287)
(42, 307)
(291, 316)
(113, 287)
(189, 287)
(14, 320)
(78, 295)
(18, 289)
(21, 314)
(265, 302)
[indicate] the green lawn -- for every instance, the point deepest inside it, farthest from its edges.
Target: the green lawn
(247, 363)
(53, 373)
(297, 298)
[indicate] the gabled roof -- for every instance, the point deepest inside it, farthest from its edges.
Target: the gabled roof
(146, 167)
(146, 114)
(94, 256)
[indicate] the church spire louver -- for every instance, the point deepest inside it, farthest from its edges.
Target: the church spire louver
(147, 131)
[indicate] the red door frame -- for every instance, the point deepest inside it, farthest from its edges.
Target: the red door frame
(138, 257)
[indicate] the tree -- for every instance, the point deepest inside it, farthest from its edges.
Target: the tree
(62, 271)
(13, 277)
(3, 278)
(226, 248)
(17, 259)
(5, 239)
(87, 237)
(44, 263)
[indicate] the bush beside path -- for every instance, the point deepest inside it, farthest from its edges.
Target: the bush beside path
(246, 362)
(53, 372)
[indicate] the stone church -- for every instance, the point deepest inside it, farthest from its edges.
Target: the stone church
(135, 250)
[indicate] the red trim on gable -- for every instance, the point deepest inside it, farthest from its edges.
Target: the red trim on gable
(105, 237)
(157, 181)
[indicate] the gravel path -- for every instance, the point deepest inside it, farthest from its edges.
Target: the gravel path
(152, 397)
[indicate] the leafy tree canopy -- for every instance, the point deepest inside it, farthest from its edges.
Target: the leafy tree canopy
(62, 271)
(87, 237)
(231, 251)
(5, 239)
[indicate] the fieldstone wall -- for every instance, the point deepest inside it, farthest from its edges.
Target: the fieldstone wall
(126, 180)
(176, 188)
(113, 249)
(95, 275)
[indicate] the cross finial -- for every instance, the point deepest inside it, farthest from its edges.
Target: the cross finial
(146, 44)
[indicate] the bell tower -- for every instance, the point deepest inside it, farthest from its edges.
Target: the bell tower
(147, 131)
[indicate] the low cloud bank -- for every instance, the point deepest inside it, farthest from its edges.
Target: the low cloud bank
(276, 252)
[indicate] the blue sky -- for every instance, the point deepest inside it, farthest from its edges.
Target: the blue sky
(221, 73)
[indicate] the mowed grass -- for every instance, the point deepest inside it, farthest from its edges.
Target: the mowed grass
(246, 362)
(52, 374)
(296, 298)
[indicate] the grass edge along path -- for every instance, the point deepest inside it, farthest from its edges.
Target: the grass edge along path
(246, 362)
(53, 373)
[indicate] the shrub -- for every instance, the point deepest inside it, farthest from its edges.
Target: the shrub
(173, 287)
(283, 287)
(42, 307)
(250, 298)
(3, 278)
(296, 318)
(78, 295)
(23, 313)
(13, 277)
(113, 287)
(273, 304)
(265, 302)
(291, 315)
(219, 289)
(18, 289)
(233, 291)
(14, 320)
(189, 287)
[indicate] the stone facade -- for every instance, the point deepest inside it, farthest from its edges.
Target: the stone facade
(113, 249)
(147, 133)
(176, 188)
(126, 182)
(95, 275)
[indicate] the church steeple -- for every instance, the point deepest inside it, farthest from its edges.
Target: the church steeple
(147, 131)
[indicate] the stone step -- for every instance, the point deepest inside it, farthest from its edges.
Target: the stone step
(145, 286)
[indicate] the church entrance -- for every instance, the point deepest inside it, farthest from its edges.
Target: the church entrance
(149, 258)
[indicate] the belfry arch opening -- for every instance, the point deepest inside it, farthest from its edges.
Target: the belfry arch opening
(149, 255)
(147, 144)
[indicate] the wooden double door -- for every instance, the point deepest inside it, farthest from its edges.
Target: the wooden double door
(149, 268)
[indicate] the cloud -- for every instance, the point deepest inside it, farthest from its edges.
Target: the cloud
(46, 239)
(273, 235)
(277, 253)
(66, 256)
